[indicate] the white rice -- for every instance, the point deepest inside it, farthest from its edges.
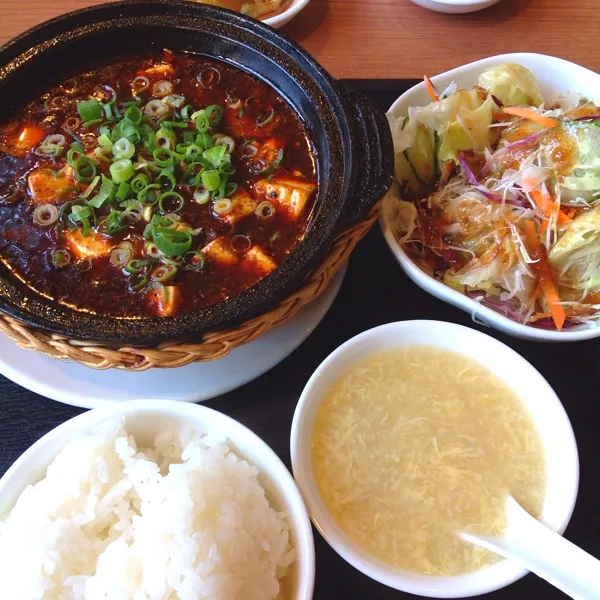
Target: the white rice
(184, 520)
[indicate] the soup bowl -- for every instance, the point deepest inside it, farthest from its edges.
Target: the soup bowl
(352, 142)
(542, 404)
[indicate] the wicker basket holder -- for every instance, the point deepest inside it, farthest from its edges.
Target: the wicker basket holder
(213, 345)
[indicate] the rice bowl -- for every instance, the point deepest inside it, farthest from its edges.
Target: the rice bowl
(207, 510)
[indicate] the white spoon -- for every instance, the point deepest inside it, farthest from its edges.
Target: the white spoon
(545, 553)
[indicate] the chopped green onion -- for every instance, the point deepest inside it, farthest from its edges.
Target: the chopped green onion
(121, 170)
(185, 112)
(104, 193)
(147, 135)
(150, 194)
(91, 187)
(60, 258)
(211, 180)
(171, 241)
(268, 119)
(171, 124)
(99, 153)
(163, 157)
(224, 140)
(123, 148)
(163, 273)
(91, 123)
(216, 155)
(223, 207)
(139, 182)
(156, 108)
(45, 215)
(194, 261)
(123, 190)
(208, 78)
(265, 211)
(165, 138)
(74, 153)
(214, 113)
(201, 196)
(202, 121)
(151, 250)
(174, 199)
(85, 169)
(134, 114)
(166, 179)
(105, 141)
(204, 140)
(121, 255)
(90, 110)
(230, 189)
(139, 281)
(113, 223)
(227, 169)
(136, 265)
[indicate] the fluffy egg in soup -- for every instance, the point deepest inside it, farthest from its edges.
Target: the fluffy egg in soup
(407, 456)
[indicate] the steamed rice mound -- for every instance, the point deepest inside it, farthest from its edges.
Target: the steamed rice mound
(185, 520)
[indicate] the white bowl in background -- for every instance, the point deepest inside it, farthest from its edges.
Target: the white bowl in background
(554, 76)
(145, 419)
(455, 6)
(545, 409)
(283, 18)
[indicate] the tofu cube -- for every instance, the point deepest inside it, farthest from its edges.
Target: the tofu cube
(45, 184)
(220, 252)
(89, 246)
(292, 195)
(242, 206)
(258, 261)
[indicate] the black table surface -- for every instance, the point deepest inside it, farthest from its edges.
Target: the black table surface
(375, 291)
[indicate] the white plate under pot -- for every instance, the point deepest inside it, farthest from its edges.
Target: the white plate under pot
(72, 383)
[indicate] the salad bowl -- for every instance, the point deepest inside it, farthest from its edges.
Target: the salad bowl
(555, 78)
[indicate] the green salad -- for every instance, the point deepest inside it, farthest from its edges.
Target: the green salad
(500, 196)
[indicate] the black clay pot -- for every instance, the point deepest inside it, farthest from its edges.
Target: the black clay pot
(351, 137)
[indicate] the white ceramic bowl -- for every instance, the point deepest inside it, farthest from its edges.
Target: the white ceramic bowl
(554, 76)
(145, 419)
(287, 15)
(539, 398)
(455, 6)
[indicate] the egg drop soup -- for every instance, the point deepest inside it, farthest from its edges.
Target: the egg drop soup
(412, 446)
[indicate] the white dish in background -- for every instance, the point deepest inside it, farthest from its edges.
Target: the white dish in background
(283, 18)
(72, 383)
(554, 76)
(546, 411)
(147, 418)
(455, 6)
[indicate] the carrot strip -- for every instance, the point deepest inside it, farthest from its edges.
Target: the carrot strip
(430, 89)
(544, 275)
(531, 115)
(542, 201)
(547, 204)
